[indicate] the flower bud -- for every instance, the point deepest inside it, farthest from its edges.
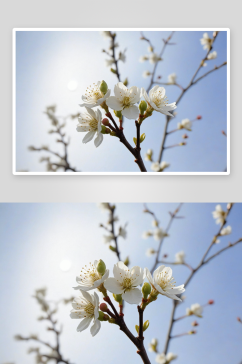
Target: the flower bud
(113, 71)
(101, 316)
(105, 122)
(118, 298)
(195, 323)
(211, 302)
(185, 136)
(146, 325)
(112, 248)
(126, 82)
(239, 319)
(118, 114)
(182, 143)
(165, 255)
(126, 262)
(135, 140)
(103, 87)
(142, 137)
(146, 289)
(113, 134)
(192, 332)
(101, 267)
(142, 106)
(105, 130)
(137, 328)
(112, 321)
(103, 307)
(199, 117)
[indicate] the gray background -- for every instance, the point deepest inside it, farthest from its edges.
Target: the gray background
(119, 188)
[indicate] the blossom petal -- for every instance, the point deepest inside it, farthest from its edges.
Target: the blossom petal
(137, 275)
(114, 103)
(90, 112)
(83, 325)
(120, 90)
(112, 285)
(134, 296)
(88, 137)
(98, 140)
(119, 271)
(135, 94)
(131, 112)
(83, 128)
(148, 276)
(95, 327)
(76, 315)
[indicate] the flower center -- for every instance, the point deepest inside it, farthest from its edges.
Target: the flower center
(158, 100)
(93, 124)
(93, 93)
(127, 284)
(89, 309)
(164, 282)
(89, 275)
(126, 101)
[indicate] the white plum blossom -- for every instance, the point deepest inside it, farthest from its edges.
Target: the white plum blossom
(219, 215)
(106, 34)
(147, 234)
(125, 282)
(172, 78)
(150, 49)
(165, 359)
(108, 238)
(153, 345)
(195, 310)
(163, 282)
(122, 56)
(180, 257)
(154, 58)
(226, 231)
(109, 62)
(206, 42)
(150, 252)
(143, 59)
(159, 167)
(86, 307)
(123, 232)
(159, 234)
(90, 122)
(148, 155)
(125, 100)
(212, 55)
(146, 74)
(90, 278)
(155, 223)
(94, 96)
(104, 206)
(157, 100)
(185, 124)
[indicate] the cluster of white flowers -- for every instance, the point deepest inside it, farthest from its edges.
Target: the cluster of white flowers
(219, 215)
(206, 42)
(157, 234)
(195, 310)
(180, 257)
(226, 231)
(165, 359)
(185, 124)
(172, 78)
(159, 167)
(126, 282)
(124, 100)
(153, 58)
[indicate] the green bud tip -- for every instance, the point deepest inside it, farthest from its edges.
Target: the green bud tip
(112, 248)
(101, 316)
(118, 114)
(142, 106)
(146, 325)
(103, 87)
(126, 262)
(101, 267)
(135, 140)
(146, 289)
(137, 328)
(118, 298)
(142, 137)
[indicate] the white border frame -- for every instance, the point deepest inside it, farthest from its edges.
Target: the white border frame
(116, 173)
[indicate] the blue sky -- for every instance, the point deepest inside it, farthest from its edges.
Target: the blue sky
(47, 61)
(36, 237)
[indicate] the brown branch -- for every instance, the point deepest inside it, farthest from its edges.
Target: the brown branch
(191, 83)
(112, 210)
(172, 217)
(113, 36)
(175, 263)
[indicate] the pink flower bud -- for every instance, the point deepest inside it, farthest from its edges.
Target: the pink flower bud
(165, 256)
(105, 122)
(199, 117)
(239, 319)
(103, 307)
(195, 323)
(211, 302)
(185, 136)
